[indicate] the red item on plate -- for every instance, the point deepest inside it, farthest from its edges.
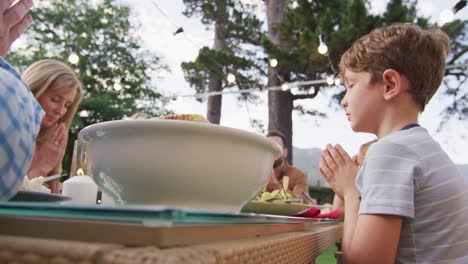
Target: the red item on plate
(331, 215)
(314, 212)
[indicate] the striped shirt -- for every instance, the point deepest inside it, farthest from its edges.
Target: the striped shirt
(20, 120)
(408, 174)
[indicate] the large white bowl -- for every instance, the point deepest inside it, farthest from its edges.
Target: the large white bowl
(178, 163)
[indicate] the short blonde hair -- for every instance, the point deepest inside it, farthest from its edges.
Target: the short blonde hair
(416, 53)
(52, 74)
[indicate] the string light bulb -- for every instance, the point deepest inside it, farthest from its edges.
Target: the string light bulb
(118, 84)
(273, 63)
(448, 15)
(330, 80)
(284, 87)
(83, 113)
(231, 78)
(337, 81)
(73, 58)
(322, 48)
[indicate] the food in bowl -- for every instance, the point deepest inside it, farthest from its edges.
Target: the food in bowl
(185, 117)
(178, 163)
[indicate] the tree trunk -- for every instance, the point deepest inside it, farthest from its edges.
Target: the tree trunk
(280, 103)
(213, 113)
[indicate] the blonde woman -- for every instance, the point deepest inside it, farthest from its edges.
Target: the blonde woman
(59, 91)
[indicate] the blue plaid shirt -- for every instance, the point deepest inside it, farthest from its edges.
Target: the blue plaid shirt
(20, 120)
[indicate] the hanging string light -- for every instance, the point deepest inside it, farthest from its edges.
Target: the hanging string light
(231, 78)
(330, 80)
(283, 87)
(322, 48)
(448, 15)
(73, 58)
(118, 84)
(273, 62)
(83, 113)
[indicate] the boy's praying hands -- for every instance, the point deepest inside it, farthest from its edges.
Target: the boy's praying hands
(339, 170)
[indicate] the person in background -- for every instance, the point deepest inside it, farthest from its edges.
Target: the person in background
(338, 204)
(59, 91)
(281, 167)
(408, 201)
(21, 114)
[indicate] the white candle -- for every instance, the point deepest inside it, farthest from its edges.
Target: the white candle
(82, 190)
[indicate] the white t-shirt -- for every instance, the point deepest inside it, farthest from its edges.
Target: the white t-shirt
(408, 174)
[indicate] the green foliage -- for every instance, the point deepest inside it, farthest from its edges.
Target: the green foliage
(109, 51)
(242, 37)
(341, 22)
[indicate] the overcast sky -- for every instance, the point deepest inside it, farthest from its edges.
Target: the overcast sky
(158, 25)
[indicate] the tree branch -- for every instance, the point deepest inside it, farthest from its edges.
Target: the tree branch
(47, 26)
(244, 38)
(458, 55)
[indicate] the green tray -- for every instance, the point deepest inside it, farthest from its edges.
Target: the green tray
(142, 214)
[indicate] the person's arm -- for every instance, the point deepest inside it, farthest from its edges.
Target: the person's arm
(21, 109)
(369, 238)
(300, 186)
(273, 183)
(338, 205)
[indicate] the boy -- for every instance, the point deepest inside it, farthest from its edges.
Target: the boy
(408, 202)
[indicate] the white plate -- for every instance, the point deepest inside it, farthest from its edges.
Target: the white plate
(30, 196)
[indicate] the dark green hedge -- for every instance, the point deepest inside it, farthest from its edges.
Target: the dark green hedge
(322, 194)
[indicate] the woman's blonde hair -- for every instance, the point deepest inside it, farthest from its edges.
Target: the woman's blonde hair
(52, 74)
